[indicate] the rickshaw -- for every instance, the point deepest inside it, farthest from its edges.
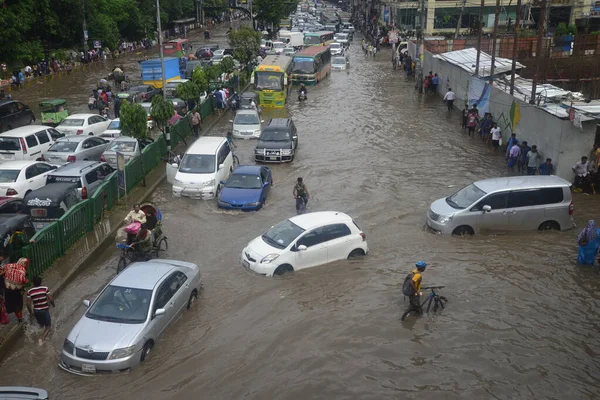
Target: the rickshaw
(48, 203)
(15, 232)
(159, 240)
(53, 111)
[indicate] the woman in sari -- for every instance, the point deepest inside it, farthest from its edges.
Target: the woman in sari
(14, 281)
(589, 242)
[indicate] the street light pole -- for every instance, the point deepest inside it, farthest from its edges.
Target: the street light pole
(160, 45)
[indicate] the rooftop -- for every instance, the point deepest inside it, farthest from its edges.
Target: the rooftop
(520, 182)
(467, 58)
(142, 275)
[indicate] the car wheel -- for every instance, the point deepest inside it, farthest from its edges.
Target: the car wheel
(27, 192)
(218, 191)
(31, 120)
(549, 226)
(356, 253)
(283, 269)
(91, 134)
(146, 351)
(192, 299)
(463, 230)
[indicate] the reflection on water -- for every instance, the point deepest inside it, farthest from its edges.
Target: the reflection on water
(521, 321)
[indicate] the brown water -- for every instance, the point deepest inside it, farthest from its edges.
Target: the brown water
(521, 322)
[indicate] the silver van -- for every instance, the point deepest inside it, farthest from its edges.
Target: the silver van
(504, 204)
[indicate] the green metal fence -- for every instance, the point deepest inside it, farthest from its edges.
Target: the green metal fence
(47, 246)
(181, 130)
(76, 223)
(101, 199)
(133, 172)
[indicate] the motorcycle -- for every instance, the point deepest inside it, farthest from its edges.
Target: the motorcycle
(302, 95)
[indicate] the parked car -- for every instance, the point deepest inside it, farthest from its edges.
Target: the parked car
(113, 130)
(143, 93)
(206, 163)
(504, 204)
(339, 63)
(18, 178)
(246, 189)
(22, 393)
(88, 175)
(14, 114)
(246, 124)
(83, 124)
(27, 142)
(171, 87)
(125, 321)
(130, 147)
(72, 148)
(47, 204)
(10, 205)
(278, 142)
(305, 241)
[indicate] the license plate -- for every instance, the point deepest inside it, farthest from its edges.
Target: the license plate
(273, 158)
(245, 263)
(88, 368)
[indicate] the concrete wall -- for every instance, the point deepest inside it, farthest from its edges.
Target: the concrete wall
(556, 138)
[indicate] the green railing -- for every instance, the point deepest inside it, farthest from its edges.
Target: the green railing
(76, 223)
(133, 172)
(101, 199)
(181, 130)
(47, 246)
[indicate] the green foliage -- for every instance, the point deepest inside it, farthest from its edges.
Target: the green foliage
(561, 30)
(213, 73)
(245, 43)
(188, 91)
(161, 111)
(525, 33)
(227, 65)
(273, 11)
(572, 28)
(133, 120)
(200, 79)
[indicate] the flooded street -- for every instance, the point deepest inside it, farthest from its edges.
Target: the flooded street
(522, 319)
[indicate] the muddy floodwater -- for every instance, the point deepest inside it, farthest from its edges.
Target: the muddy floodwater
(522, 320)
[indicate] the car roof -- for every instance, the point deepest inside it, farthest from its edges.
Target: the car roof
(520, 182)
(246, 111)
(118, 119)
(311, 220)
(124, 139)
(75, 167)
(208, 144)
(76, 116)
(24, 130)
(247, 169)
(73, 138)
(143, 275)
(17, 164)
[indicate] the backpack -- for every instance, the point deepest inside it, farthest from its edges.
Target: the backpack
(408, 288)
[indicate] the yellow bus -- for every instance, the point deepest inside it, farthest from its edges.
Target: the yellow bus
(270, 81)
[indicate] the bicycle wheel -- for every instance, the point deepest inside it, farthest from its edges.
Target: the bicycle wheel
(122, 264)
(428, 302)
(236, 160)
(409, 312)
(162, 245)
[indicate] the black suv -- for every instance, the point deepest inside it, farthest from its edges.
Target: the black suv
(14, 114)
(278, 141)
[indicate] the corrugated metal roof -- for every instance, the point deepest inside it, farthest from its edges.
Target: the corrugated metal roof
(467, 58)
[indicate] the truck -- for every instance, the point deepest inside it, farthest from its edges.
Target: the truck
(293, 39)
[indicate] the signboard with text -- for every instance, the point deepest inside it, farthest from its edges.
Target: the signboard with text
(97, 44)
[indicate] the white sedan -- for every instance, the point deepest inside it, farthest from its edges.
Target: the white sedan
(83, 124)
(305, 241)
(17, 178)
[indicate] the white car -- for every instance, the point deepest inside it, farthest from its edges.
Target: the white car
(246, 124)
(305, 241)
(113, 131)
(339, 63)
(337, 49)
(17, 178)
(342, 38)
(278, 47)
(83, 124)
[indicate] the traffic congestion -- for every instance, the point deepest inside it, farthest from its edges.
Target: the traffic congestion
(292, 224)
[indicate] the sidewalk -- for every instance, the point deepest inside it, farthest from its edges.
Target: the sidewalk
(86, 249)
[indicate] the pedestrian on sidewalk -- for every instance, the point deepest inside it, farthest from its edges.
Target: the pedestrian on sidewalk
(511, 142)
(533, 159)
(14, 281)
(513, 156)
(546, 168)
(472, 120)
(196, 120)
(522, 161)
(496, 136)
(39, 300)
(449, 99)
(434, 83)
(485, 127)
(174, 118)
(465, 116)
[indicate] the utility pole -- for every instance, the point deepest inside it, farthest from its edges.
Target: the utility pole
(458, 25)
(495, 38)
(479, 33)
(538, 51)
(515, 42)
(85, 32)
(197, 11)
(160, 46)
(421, 51)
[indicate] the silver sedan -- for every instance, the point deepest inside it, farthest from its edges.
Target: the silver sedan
(76, 148)
(127, 145)
(124, 322)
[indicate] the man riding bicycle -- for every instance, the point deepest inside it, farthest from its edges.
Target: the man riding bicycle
(300, 193)
(142, 244)
(412, 285)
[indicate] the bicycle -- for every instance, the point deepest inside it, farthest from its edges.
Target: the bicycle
(438, 302)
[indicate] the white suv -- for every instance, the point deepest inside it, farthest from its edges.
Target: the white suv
(305, 241)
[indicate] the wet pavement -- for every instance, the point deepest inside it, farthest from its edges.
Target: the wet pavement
(521, 322)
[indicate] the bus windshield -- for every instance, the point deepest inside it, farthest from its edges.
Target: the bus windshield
(268, 80)
(304, 66)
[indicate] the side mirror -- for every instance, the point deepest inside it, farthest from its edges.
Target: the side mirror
(302, 247)
(231, 121)
(487, 208)
(159, 312)
(175, 165)
(222, 182)
(86, 303)
(221, 166)
(262, 120)
(266, 184)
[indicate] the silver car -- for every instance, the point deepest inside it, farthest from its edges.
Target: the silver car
(125, 321)
(129, 146)
(246, 124)
(75, 148)
(504, 204)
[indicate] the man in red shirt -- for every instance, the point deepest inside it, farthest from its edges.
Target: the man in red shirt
(38, 304)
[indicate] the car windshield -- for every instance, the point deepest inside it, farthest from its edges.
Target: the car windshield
(121, 305)
(339, 60)
(304, 65)
(71, 122)
(268, 80)
(282, 234)
(197, 164)
(241, 181)
(278, 45)
(123, 147)
(8, 175)
(64, 147)
(114, 125)
(465, 197)
(217, 57)
(246, 119)
(10, 144)
(335, 45)
(275, 135)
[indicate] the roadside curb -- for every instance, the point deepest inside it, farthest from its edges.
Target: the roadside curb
(17, 330)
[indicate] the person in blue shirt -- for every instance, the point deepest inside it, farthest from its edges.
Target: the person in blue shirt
(230, 140)
(522, 162)
(511, 142)
(589, 242)
(546, 168)
(434, 83)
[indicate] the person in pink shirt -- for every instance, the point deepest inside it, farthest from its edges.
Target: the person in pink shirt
(175, 118)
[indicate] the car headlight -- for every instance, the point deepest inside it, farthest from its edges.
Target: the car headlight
(209, 183)
(257, 132)
(177, 182)
(236, 132)
(258, 151)
(269, 258)
(122, 353)
(223, 203)
(444, 219)
(256, 203)
(68, 346)
(286, 152)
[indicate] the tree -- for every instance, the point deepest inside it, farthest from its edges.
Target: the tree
(227, 65)
(213, 73)
(272, 11)
(200, 79)
(245, 43)
(190, 92)
(161, 111)
(133, 120)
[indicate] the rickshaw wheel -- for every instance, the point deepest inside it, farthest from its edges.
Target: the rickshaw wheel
(121, 265)
(162, 245)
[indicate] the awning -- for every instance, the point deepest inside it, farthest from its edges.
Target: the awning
(467, 58)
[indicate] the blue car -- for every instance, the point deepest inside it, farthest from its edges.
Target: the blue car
(246, 189)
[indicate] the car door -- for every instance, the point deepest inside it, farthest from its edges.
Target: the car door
(171, 167)
(496, 219)
(43, 169)
(294, 136)
(21, 114)
(267, 182)
(162, 300)
(339, 240)
(33, 177)
(525, 209)
(223, 157)
(44, 139)
(98, 147)
(316, 249)
(181, 286)
(34, 150)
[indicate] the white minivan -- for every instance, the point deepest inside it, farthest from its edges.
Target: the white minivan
(206, 162)
(27, 143)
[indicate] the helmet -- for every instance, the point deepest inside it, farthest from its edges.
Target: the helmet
(421, 265)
